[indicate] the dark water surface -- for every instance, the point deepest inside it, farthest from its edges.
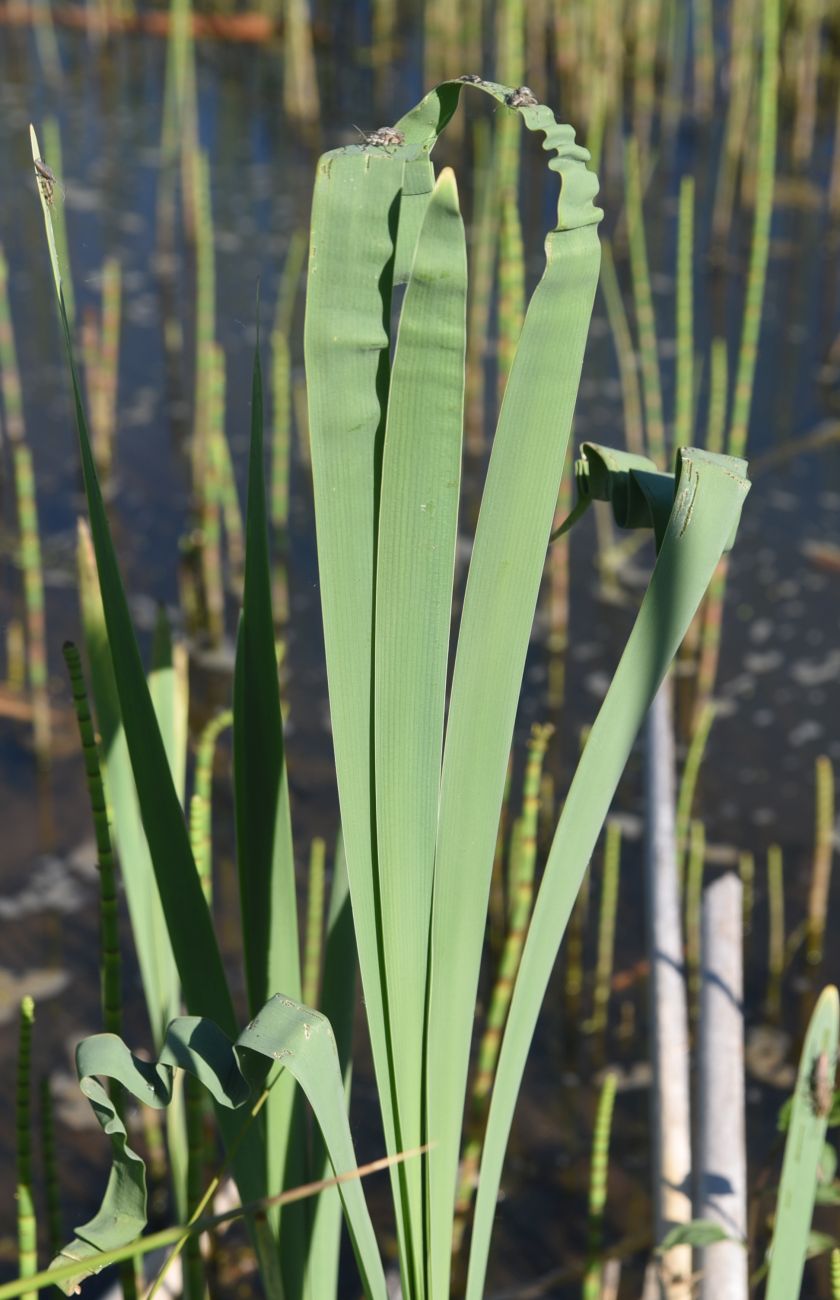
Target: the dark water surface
(779, 679)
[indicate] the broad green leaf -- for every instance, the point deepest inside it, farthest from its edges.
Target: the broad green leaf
(297, 1037)
(508, 555)
(706, 495)
(418, 524)
(803, 1149)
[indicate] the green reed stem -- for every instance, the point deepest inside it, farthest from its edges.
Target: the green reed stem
(201, 804)
(704, 58)
(30, 542)
(811, 17)
(205, 314)
(482, 260)
(718, 384)
(645, 36)
(497, 905)
(281, 436)
(301, 100)
(522, 867)
(741, 78)
(760, 250)
(631, 393)
(598, 1188)
(688, 784)
(109, 961)
(27, 1228)
(15, 656)
(684, 410)
(643, 298)
(606, 936)
(821, 869)
(224, 476)
(195, 1108)
(710, 638)
(52, 1193)
(693, 911)
(776, 932)
(104, 423)
(746, 870)
(314, 945)
(835, 1274)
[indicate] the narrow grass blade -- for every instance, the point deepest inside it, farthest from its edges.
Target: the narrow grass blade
(27, 1227)
(265, 858)
(298, 1037)
(338, 1001)
(186, 914)
(803, 1148)
(707, 495)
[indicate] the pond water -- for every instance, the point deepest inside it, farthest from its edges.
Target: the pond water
(779, 679)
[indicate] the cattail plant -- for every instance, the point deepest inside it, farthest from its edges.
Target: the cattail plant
(314, 944)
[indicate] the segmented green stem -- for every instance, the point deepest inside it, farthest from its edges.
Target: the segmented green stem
(110, 966)
(223, 471)
(482, 258)
(835, 1274)
(201, 804)
(598, 1188)
(776, 933)
(688, 784)
(760, 250)
(740, 81)
(710, 639)
(30, 542)
(522, 865)
(718, 382)
(15, 656)
(497, 906)
(643, 298)
(281, 435)
(821, 870)
(52, 1193)
(647, 22)
(205, 315)
(746, 870)
(27, 1227)
(693, 901)
(812, 14)
(301, 100)
(606, 935)
(704, 58)
(313, 950)
(684, 412)
(631, 393)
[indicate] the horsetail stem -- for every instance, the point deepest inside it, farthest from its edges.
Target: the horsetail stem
(598, 1188)
(27, 1228)
(201, 804)
(110, 964)
(313, 949)
(606, 935)
(821, 869)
